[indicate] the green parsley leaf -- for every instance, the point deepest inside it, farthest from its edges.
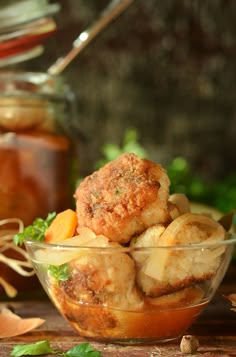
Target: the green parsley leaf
(59, 273)
(43, 347)
(83, 350)
(36, 231)
(38, 348)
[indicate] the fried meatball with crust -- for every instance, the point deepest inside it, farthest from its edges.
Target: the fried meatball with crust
(166, 270)
(123, 198)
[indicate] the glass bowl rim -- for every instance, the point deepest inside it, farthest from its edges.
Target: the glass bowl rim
(231, 240)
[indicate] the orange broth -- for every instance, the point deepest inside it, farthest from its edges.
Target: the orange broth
(34, 175)
(150, 323)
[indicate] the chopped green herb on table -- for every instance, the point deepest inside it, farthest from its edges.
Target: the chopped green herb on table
(43, 348)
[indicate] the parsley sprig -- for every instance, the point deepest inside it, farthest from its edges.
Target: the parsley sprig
(43, 348)
(36, 231)
(59, 273)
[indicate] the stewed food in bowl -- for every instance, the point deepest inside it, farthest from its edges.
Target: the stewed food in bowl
(132, 263)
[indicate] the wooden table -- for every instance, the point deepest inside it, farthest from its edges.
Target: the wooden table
(215, 329)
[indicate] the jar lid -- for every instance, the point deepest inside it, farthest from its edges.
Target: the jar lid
(24, 25)
(34, 28)
(18, 12)
(22, 56)
(24, 39)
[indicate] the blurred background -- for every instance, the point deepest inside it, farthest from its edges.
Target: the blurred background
(165, 69)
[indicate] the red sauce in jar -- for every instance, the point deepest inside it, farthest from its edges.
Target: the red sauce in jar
(34, 175)
(35, 154)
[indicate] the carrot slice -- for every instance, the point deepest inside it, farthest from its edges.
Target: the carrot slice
(62, 227)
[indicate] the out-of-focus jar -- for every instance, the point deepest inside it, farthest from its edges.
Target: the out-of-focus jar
(35, 150)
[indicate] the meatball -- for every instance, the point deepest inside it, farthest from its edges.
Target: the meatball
(123, 198)
(106, 279)
(101, 286)
(163, 270)
(102, 277)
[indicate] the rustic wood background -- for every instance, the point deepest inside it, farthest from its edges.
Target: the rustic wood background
(166, 68)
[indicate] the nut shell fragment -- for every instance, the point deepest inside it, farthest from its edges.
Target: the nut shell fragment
(189, 344)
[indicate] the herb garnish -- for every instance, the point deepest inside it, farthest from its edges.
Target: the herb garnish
(43, 347)
(38, 348)
(35, 231)
(59, 273)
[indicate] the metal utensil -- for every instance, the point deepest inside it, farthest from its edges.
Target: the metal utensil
(113, 10)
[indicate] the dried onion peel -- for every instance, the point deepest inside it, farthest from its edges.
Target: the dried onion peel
(13, 325)
(232, 299)
(21, 266)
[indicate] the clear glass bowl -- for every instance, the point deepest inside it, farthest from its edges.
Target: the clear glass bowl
(131, 295)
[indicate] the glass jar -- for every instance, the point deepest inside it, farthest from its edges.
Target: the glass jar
(35, 148)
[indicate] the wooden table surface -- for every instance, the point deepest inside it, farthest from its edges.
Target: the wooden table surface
(215, 328)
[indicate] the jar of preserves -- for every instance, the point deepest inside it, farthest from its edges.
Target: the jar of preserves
(35, 148)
